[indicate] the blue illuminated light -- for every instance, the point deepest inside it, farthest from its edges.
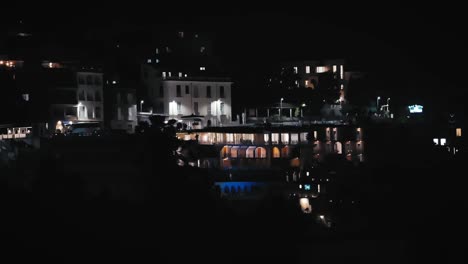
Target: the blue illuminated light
(307, 187)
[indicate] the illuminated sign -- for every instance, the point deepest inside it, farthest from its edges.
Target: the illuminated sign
(415, 109)
(307, 187)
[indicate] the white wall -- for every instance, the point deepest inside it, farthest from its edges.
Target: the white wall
(90, 88)
(187, 101)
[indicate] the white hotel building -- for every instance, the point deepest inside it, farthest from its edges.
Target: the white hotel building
(175, 95)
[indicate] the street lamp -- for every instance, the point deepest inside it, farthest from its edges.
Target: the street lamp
(281, 107)
(378, 98)
(141, 105)
(302, 115)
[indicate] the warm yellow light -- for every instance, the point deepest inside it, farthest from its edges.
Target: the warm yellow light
(459, 132)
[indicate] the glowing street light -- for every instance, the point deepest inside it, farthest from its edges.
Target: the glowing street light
(141, 105)
(281, 107)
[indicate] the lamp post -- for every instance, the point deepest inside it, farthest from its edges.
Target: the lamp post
(303, 105)
(281, 107)
(377, 110)
(141, 105)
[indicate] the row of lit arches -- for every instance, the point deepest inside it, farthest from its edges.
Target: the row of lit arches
(253, 152)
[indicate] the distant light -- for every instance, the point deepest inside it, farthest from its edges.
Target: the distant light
(300, 186)
(157, 60)
(185, 75)
(149, 60)
(1, 62)
(331, 201)
(436, 141)
(378, 97)
(282, 98)
(307, 187)
(114, 82)
(443, 141)
(202, 68)
(318, 188)
(307, 173)
(322, 217)
(70, 122)
(303, 105)
(142, 101)
(50, 65)
(415, 109)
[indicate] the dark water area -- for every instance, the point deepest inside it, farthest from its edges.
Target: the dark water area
(82, 203)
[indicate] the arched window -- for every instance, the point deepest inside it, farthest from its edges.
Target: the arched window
(225, 152)
(260, 153)
(234, 152)
(250, 153)
(276, 153)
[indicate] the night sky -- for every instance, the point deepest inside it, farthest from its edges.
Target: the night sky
(415, 51)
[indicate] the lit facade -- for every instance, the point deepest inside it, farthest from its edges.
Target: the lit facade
(279, 147)
(179, 96)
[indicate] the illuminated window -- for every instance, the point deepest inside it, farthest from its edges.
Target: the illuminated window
(443, 141)
(180, 74)
(334, 68)
(342, 87)
(341, 72)
(436, 141)
(315, 134)
(181, 34)
(307, 69)
(295, 70)
(266, 138)
(25, 97)
(274, 138)
(229, 138)
(260, 153)
(285, 138)
(306, 83)
(149, 60)
(164, 74)
(157, 51)
(276, 153)
(459, 132)
(169, 74)
(202, 49)
(321, 69)
(221, 106)
(202, 68)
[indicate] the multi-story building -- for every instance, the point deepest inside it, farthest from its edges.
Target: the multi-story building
(185, 80)
(121, 106)
(175, 97)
